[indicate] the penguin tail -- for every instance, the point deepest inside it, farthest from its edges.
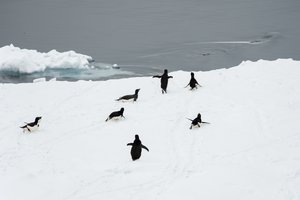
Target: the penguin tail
(23, 126)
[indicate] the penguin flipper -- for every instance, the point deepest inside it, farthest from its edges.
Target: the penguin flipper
(121, 98)
(23, 126)
(144, 147)
(126, 97)
(157, 76)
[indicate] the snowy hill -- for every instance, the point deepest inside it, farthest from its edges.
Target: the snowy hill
(250, 149)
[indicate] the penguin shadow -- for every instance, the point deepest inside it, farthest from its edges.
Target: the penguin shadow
(118, 171)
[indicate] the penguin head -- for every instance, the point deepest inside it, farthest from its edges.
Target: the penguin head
(122, 109)
(199, 115)
(37, 119)
(137, 137)
(165, 71)
(192, 74)
(137, 91)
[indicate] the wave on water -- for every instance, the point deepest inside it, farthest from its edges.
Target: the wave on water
(24, 65)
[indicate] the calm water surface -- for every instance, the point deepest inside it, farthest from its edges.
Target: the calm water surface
(144, 36)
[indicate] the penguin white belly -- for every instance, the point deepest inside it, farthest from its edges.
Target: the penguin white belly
(127, 100)
(116, 118)
(31, 128)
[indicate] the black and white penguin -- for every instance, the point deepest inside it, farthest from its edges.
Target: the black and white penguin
(116, 114)
(136, 149)
(32, 126)
(193, 82)
(163, 80)
(197, 121)
(130, 96)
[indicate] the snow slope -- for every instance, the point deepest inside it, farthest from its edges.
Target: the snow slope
(251, 149)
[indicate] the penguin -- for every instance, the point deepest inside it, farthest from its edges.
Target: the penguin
(130, 96)
(197, 121)
(32, 126)
(116, 114)
(136, 149)
(163, 80)
(193, 82)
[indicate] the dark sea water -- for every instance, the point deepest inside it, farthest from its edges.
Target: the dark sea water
(145, 36)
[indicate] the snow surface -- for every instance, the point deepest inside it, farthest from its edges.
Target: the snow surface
(28, 61)
(250, 149)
